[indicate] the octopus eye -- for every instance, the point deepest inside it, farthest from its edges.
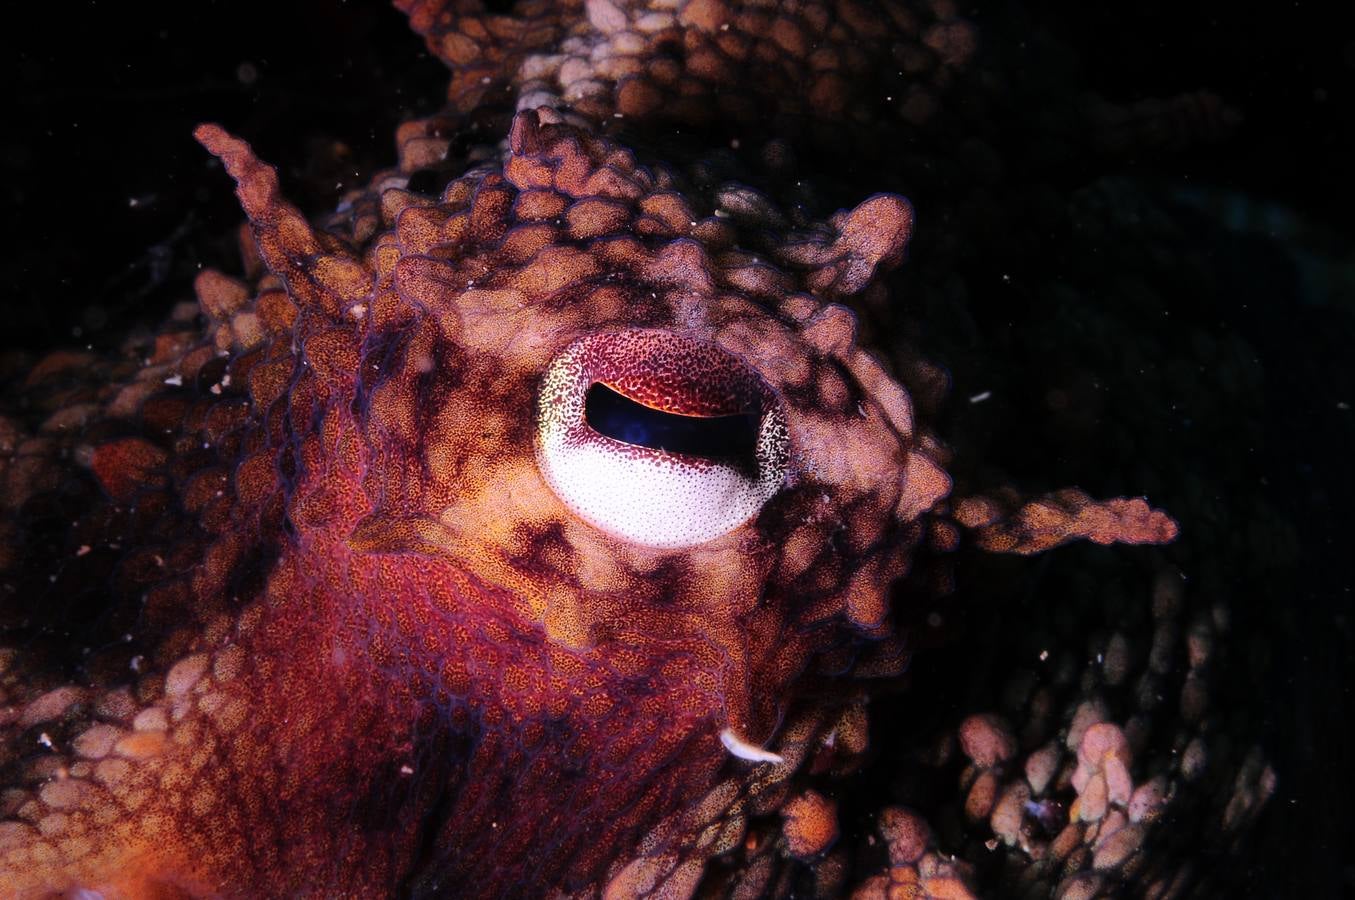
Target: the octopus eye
(731, 438)
(658, 439)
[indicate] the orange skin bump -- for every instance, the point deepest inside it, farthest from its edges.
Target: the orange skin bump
(368, 651)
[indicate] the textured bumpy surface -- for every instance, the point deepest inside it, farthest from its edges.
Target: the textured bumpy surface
(300, 599)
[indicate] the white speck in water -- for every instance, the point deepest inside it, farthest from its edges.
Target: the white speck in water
(744, 750)
(981, 396)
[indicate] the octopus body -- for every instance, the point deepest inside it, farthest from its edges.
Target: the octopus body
(536, 524)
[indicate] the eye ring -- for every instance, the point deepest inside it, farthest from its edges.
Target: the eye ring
(659, 439)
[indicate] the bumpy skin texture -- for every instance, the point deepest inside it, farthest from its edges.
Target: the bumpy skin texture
(336, 634)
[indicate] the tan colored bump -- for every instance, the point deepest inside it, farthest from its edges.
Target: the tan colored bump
(228, 663)
(51, 705)
(104, 814)
(97, 741)
(117, 705)
(151, 719)
(111, 772)
(810, 825)
(175, 780)
(43, 854)
(141, 745)
(229, 715)
(54, 825)
(186, 734)
(66, 793)
(135, 799)
(202, 802)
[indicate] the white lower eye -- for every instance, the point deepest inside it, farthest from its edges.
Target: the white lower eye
(657, 439)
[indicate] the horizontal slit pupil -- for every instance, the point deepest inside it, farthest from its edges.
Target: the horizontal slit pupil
(727, 438)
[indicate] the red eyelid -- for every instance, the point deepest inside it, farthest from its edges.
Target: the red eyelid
(676, 375)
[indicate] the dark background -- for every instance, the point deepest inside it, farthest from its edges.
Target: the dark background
(109, 207)
(106, 193)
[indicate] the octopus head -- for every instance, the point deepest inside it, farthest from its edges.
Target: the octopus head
(587, 396)
(588, 500)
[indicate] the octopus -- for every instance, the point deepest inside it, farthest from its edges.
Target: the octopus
(538, 523)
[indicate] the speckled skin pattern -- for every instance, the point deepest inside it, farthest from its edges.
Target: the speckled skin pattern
(290, 609)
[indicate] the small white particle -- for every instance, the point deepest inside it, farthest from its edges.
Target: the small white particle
(406, 770)
(744, 750)
(82, 550)
(176, 380)
(1044, 655)
(980, 397)
(46, 740)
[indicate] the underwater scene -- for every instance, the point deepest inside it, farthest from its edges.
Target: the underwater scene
(676, 449)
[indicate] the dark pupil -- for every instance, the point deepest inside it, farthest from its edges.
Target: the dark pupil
(732, 438)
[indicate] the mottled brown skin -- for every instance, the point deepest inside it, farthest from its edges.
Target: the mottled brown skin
(369, 651)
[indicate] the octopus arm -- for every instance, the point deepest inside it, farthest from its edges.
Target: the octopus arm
(321, 273)
(1007, 523)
